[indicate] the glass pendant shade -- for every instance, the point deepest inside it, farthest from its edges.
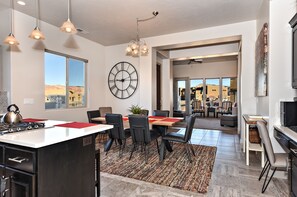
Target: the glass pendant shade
(37, 34)
(10, 40)
(136, 49)
(68, 27)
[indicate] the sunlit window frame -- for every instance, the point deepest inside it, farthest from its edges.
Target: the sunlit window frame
(67, 78)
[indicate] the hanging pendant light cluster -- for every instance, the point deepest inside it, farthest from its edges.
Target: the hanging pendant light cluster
(36, 33)
(68, 26)
(10, 39)
(138, 47)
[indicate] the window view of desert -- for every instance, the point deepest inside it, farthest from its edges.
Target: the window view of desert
(55, 96)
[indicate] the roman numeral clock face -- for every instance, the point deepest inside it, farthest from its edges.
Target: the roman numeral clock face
(123, 80)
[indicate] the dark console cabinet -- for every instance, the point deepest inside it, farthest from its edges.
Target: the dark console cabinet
(293, 148)
(61, 170)
(290, 146)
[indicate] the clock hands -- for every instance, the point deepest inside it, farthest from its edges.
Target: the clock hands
(123, 79)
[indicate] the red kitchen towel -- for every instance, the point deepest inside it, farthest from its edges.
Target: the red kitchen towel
(33, 120)
(76, 125)
(171, 120)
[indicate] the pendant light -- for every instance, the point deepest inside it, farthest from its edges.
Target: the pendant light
(10, 39)
(36, 33)
(139, 47)
(67, 26)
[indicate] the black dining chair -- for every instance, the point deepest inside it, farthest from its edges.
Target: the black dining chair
(275, 161)
(141, 134)
(181, 138)
(117, 133)
(162, 113)
(101, 135)
(162, 129)
(93, 114)
(144, 112)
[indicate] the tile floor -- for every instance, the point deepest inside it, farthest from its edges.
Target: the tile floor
(230, 177)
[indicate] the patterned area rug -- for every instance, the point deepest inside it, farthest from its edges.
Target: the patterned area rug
(175, 171)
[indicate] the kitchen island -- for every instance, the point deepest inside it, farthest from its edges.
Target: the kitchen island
(54, 161)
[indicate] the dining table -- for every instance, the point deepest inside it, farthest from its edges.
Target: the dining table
(153, 120)
(159, 121)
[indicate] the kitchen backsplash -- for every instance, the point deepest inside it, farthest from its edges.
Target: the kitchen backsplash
(3, 102)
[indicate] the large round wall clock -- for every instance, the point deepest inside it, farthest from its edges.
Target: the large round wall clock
(123, 80)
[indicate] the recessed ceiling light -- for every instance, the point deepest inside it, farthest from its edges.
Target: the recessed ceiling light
(21, 2)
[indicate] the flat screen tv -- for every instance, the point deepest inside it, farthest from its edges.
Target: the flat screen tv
(293, 23)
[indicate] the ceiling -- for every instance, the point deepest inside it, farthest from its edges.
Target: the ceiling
(111, 22)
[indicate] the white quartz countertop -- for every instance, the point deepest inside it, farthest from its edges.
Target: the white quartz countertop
(50, 134)
(287, 131)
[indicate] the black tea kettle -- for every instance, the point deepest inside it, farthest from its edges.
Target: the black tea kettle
(12, 116)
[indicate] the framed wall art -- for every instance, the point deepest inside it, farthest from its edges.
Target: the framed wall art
(261, 53)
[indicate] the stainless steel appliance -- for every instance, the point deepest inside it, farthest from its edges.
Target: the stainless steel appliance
(23, 126)
(288, 113)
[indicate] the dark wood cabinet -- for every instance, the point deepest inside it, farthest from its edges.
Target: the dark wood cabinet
(60, 170)
(293, 178)
(290, 146)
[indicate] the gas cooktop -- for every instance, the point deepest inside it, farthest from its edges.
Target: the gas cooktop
(23, 126)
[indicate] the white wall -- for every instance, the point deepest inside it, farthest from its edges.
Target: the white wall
(263, 17)
(205, 50)
(115, 54)
(27, 69)
(206, 70)
(5, 56)
(167, 85)
(280, 59)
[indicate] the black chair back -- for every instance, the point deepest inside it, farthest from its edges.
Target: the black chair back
(189, 129)
(117, 132)
(92, 114)
(139, 128)
(144, 112)
(164, 113)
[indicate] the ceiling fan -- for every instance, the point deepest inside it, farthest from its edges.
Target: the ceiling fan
(198, 60)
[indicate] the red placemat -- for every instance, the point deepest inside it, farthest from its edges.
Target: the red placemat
(171, 120)
(152, 120)
(76, 125)
(33, 120)
(157, 117)
(125, 118)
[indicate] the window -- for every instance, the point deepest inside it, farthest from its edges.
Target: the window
(65, 81)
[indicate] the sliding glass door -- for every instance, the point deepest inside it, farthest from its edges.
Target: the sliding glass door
(210, 91)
